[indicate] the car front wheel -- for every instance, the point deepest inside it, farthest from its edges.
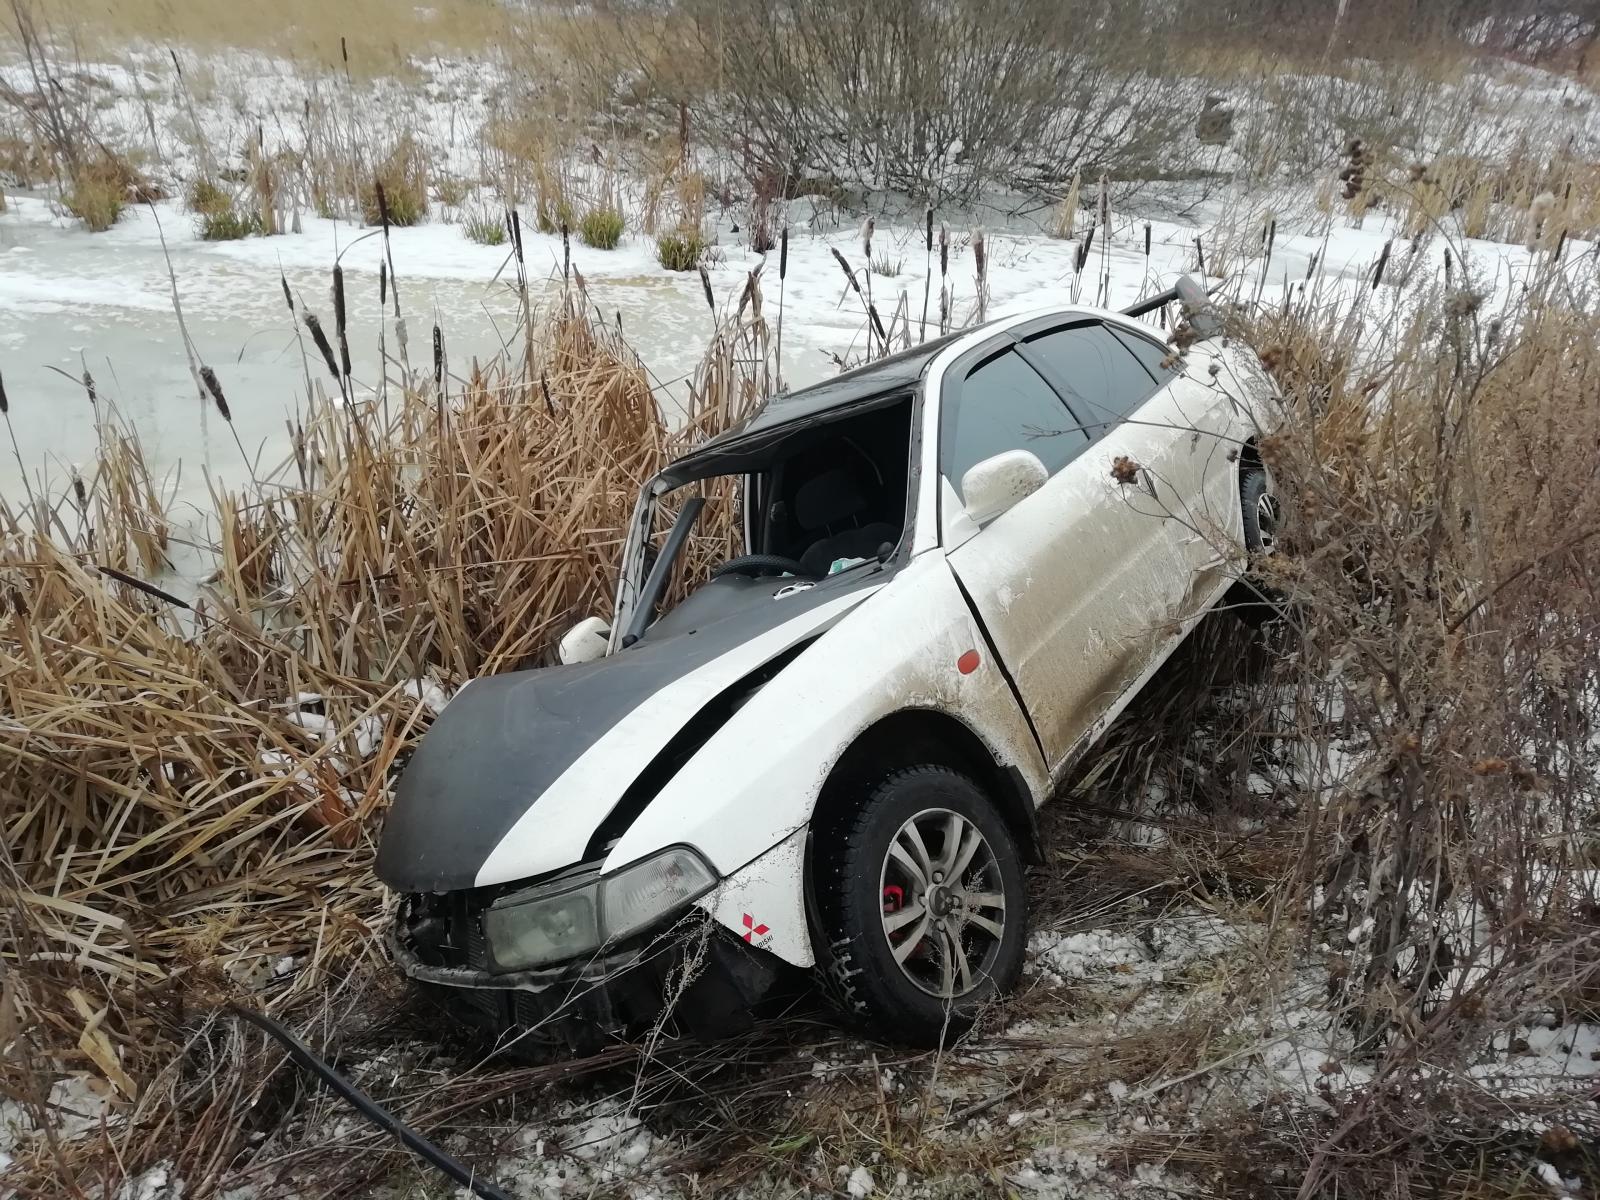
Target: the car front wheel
(923, 907)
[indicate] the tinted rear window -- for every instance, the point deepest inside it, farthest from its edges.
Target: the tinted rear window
(1099, 375)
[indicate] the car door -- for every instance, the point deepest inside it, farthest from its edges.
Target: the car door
(1063, 581)
(1165, 414)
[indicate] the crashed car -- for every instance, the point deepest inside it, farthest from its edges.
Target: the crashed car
(962, 563)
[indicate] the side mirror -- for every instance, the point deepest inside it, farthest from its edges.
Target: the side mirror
(585, 641)
(996, 484)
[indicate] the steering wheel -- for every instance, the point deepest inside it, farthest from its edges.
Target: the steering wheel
(754, 566)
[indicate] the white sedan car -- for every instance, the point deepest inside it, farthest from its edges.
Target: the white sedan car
(964, 561)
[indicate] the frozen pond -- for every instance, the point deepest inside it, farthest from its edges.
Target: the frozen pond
(72, 301)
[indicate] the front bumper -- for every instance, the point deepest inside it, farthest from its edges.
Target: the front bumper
(691, 973)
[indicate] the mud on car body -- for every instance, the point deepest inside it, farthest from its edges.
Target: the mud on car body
(963, 562)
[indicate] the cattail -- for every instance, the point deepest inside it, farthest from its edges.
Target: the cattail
(383, 287)
(383, 206)
(339, 321)
(516, 233)
(209, 378)
(1383, 261)
(845, 267)
(88, 386)
(1561, 244)
(705, 285)
(1447, 265)
(867, 228)
(1200, 254)
(1081, 258)
(321, 340)
(783, 254)
(5, 405)
(438, 356)
(78, 490)
(287, 297)
(1147, 239)
(544, 387)
(928, 213)
(140, 585)
(566, 250)
(979, 253)
(944, 249)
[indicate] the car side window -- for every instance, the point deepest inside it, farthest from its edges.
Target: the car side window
(1004, 404)
(1099, 376)
(1157, 358)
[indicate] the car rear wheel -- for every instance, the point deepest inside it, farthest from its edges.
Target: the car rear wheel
(1251, 598)
(922, 904)
(1262, 514)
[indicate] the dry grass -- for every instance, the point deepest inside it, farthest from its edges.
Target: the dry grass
(376, 36)
(402, 175)
(178, 815)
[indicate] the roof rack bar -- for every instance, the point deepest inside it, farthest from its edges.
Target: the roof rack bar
(1150, 305)
(1164, 298)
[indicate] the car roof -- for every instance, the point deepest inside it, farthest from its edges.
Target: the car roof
(858, 390)
(746, 445)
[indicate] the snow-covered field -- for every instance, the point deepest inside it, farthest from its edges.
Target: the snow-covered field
(993, 1115)
(76, 302)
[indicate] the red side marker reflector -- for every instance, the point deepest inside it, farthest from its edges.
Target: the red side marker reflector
(968, 662)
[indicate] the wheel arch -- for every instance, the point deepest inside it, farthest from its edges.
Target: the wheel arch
(910, 737)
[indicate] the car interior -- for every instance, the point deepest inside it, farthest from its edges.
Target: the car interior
(833, 495)
(841, 496)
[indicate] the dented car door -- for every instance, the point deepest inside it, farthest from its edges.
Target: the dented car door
(1086, 584)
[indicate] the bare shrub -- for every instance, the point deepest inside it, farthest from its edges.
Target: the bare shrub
(922, 97)
(1441, 658)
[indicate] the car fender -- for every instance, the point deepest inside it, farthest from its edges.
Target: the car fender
(755, 783)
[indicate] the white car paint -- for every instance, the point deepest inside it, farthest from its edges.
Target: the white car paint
(757, 780)
(554, 833)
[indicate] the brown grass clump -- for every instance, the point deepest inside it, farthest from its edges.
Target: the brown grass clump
(100, 188)
(204, 197)
(681, 250)
(601, 228)
(403, 174)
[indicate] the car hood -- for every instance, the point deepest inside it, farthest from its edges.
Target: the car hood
(519, 771)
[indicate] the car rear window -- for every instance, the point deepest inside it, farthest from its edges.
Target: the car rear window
(1099, 375)
(1004, 404)
(1151, 353)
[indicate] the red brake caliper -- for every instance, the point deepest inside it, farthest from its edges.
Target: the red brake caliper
(894, 898)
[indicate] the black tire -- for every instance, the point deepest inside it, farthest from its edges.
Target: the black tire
(1255, 494)
(1251, 599)
(850, 864)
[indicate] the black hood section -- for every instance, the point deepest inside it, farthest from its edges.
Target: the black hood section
(504, 739)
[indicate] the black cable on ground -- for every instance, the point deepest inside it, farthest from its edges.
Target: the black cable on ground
(369, 1108)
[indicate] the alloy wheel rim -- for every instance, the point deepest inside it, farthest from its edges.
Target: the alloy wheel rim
(1268, 515)
(943, 903)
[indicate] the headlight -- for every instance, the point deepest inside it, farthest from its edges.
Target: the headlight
(531, 930)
